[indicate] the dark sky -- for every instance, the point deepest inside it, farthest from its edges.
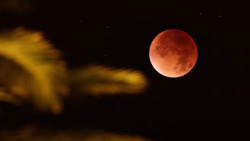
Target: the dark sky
(213, 99)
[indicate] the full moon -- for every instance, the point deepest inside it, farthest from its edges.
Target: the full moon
(173, 53)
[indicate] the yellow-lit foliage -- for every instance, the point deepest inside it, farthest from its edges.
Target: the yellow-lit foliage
(97, 80)
(106, 136)
(9, 98)
(30, 69)
(46, 134)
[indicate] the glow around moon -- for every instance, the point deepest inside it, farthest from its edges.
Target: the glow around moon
(173, 53)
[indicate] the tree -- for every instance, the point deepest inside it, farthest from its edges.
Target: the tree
(31, 70)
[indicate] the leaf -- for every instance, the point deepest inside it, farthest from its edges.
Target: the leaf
(31, 68)
(32, 133)
(97, 80)
(9, 98)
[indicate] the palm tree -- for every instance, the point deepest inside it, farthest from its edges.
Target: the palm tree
(31, 70)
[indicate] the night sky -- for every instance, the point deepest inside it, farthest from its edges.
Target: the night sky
(212, 100)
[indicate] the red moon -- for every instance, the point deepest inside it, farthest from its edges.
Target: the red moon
(173, 53)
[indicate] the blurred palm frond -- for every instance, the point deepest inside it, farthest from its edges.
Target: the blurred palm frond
(98, 80)
(30, 68)
(9, 98)
(40, 134)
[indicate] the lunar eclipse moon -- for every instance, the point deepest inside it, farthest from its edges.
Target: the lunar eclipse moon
(173, 53)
